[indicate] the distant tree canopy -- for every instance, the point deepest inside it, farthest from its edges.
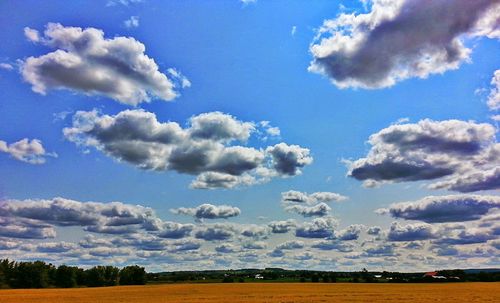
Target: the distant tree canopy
(103, 276)
(39, 274)
(67, 276)
(132, 275)
(283, 275)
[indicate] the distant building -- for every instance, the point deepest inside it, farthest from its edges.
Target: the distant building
(259, 276)
(434, 275)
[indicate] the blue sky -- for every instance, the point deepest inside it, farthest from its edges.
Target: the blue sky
(253, 62)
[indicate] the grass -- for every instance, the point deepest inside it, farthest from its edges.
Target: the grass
(262, 292)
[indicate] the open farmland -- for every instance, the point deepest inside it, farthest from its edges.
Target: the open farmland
(259, 292)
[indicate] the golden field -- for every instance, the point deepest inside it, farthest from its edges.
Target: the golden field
(262, 292)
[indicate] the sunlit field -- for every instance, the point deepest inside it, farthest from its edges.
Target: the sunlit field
(258, 292)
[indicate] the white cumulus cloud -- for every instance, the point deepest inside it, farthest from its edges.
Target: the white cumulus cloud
(423, 38)
(87, 62)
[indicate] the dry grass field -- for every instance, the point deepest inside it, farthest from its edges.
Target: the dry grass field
(260, 292)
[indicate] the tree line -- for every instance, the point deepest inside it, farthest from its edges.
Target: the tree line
(39, 274)
(283, 275)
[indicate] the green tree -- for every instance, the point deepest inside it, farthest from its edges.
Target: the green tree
(132, 275)
(102, 276)
(31, 275)
(66, 276)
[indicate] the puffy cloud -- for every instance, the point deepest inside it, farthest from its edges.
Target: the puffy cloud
(289, 245)
(446, 251)
(302, 197)
(488, 25)
(225, 248)
(217, 126)
(142, 242)
(185, 245)
(490, 219)
(267, 131)
(379, 250)
(37, 218)
(350, 233)
(411, 232)
(351, 50)
(318, 210)
(281, 227)
(255, 245)
(466, 153)
(294, 196)
(106, 252)
(91, 241)
(317, 228)
(464, 237)
(113, 230)
(494, 97)
(202, 149)
(135, 136)
(304, 256)
(413, 245)
(495, 243)
(333, 245)
(248, 257)
(55, 247)
(211, 180)
(276, 253)
(199, 157)
(179, 78)
(273, 131)
(137, 241)
(27, 151)
(122, 2)
(65, 212)
(131, 22)
(437, 209)
(87, 62)
(13, 230)
(289, 159)
(217, 232)
(374, 230)
(476, 180)
(8, 245)
(254, 231)
(31, 34)
(173, 230)
(6, 66)
(327, 197)
(209, 211)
